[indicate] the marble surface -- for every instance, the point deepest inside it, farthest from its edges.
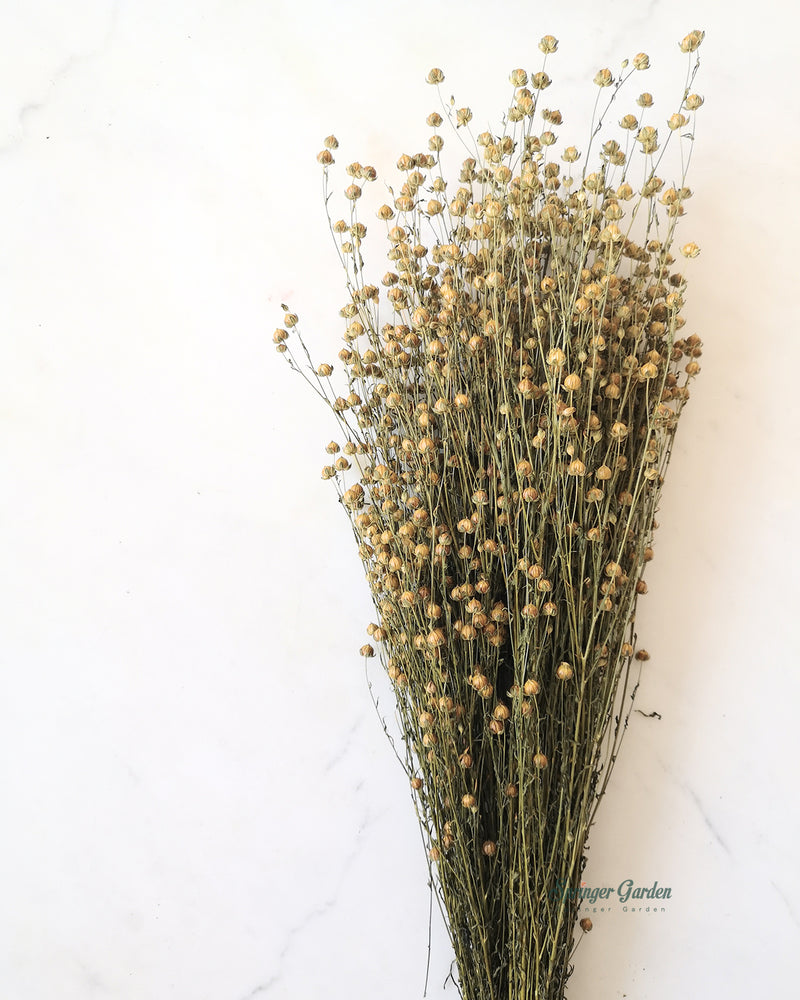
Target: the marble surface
(198, 801)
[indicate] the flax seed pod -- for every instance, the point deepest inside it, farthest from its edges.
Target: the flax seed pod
(524, 468)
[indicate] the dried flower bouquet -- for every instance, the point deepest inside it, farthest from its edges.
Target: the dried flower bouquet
(507, 429)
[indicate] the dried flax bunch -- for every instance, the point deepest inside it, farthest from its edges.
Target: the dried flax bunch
(507, 427)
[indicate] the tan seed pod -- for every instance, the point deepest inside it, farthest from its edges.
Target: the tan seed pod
(354, 497)
(436, 638)
(692, 41)
(619, 430)
(524, 468)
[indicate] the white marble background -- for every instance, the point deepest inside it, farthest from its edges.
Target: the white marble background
(198, 802)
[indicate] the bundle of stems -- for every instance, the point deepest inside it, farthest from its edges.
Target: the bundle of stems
(507, 430)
